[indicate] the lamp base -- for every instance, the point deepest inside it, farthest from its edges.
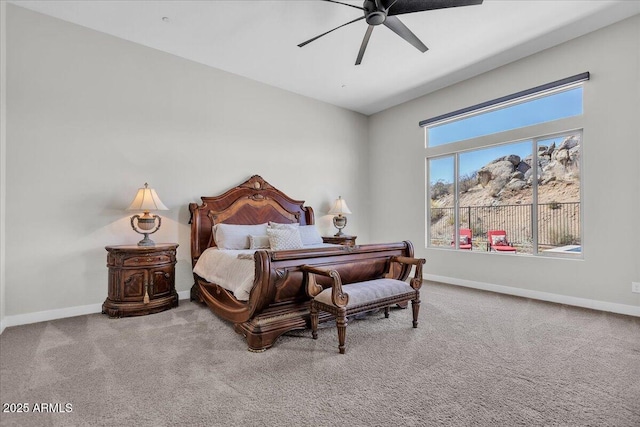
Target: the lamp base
(339, 222)
(146, 241)
(146, 223)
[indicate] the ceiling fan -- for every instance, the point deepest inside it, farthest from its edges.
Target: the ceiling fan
(378, 12)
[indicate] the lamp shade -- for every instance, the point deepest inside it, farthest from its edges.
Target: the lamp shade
(147, 200)
(340, 207)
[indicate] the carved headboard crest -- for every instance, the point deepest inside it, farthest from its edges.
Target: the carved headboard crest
(256, 183)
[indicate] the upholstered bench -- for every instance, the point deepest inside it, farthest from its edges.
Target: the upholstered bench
(353, 298)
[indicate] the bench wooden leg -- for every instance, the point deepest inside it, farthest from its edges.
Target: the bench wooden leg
(313, 310)
(415, 306)
(341, 323)
(386, 312)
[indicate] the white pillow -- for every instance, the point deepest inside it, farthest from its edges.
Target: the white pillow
(284, 238)
(499, 240)
(259, 242)
(277, 225)
(234, 236)
(309, 235)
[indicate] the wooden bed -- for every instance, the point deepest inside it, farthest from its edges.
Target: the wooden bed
(278, 301)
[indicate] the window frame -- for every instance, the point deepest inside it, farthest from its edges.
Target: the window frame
(534, 133)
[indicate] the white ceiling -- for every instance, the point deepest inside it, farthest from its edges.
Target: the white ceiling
(258, 39)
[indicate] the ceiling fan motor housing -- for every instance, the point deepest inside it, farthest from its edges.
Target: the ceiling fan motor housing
(373, 15)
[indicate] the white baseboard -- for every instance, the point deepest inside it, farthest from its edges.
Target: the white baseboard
(44, 316)
(630, 310)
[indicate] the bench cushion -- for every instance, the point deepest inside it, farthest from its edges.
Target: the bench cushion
(369, 291)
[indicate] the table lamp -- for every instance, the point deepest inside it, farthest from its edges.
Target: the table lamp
(339, 209)
(146, 200)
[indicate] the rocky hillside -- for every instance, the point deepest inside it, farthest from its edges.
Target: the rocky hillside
(508, 180)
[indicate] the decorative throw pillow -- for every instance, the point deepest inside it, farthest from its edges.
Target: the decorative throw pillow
(309, 235)
(464, 240)
(259, 242)
(499, 240)
(285, 238)
(235, 236)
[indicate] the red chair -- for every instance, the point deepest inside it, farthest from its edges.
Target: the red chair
(497, 241)
(465, 239)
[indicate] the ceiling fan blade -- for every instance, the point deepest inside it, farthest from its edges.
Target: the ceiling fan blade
(346, 4)
(365, 42)
(409, 6)
(395, 25)
(324, 34)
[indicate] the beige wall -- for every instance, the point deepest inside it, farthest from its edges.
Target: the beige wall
(92, 117)
(610, 176)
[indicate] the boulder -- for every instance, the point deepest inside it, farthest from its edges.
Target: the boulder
(517, 175)
(496, 185)
(498, 173)
(569, 142)
(515, 160)
(516, 185)
(562, 156)
(543, 150)
(484, 176)
(523, 166)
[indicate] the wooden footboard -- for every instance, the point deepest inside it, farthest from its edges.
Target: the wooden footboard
(278, 301)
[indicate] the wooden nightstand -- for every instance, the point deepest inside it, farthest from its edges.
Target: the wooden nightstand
(141, 279)
(340, 240)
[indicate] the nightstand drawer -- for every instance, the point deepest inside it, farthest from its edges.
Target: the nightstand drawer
(146, 260)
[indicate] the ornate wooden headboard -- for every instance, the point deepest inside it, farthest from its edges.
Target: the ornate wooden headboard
(255, 201)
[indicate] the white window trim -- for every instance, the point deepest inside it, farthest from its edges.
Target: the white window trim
(534, 133)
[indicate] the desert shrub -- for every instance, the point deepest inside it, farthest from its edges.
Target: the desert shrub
(441, 189)
(463, 218)
(562, 237)
(477, 230)
(436, 211)
(467, 182)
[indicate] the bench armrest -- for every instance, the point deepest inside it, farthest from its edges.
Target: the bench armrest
(338, 297)
(416, 281)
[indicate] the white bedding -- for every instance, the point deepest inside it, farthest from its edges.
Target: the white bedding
(233, 269)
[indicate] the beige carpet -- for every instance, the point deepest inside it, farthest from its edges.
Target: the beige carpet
(477, 359)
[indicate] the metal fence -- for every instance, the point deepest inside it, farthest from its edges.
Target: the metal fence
(558, 224)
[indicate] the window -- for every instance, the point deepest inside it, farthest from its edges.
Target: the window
(510, 167)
